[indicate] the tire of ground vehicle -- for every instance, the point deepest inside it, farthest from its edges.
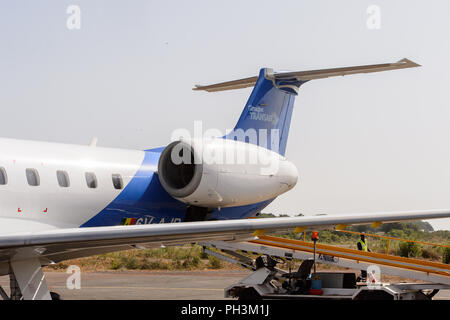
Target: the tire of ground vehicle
(55, 296)
(249, 294)
(374, 295)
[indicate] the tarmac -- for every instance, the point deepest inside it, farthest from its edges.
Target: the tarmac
(144, 285)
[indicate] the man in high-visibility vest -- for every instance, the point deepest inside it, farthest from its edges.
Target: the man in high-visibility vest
(362, 245)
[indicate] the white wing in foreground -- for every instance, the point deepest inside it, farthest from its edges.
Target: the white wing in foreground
(61, 244)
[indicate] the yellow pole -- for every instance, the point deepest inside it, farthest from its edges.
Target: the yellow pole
(387, 246)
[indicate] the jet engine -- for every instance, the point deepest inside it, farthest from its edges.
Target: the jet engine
(223, 173)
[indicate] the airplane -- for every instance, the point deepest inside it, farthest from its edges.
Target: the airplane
(61, 201)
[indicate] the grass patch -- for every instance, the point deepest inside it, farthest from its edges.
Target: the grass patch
(215, 263)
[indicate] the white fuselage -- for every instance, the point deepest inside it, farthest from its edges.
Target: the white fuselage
(49, 203)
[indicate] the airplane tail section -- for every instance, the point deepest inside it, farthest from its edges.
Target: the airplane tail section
(266, 118)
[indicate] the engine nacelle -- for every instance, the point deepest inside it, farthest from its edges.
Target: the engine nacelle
(223, 173)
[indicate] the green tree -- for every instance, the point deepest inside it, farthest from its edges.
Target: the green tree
(409, 249)
(446, 256)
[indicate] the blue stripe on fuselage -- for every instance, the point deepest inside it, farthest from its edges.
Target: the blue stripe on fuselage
(146, 201)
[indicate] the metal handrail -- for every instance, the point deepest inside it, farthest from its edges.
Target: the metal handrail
(389, 260)
(394, 238)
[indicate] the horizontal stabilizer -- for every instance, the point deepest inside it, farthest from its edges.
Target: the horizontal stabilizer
(308, 75)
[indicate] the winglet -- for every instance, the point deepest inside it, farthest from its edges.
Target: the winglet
(411, 64)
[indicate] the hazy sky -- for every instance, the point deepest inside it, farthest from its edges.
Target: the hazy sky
(363, 143)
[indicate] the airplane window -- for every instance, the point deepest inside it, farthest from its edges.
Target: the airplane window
(3, 176)
(91, 180)
(63, 178)
(32, 177)
(117, 181)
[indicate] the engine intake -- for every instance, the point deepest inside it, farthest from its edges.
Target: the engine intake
(179, 179)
